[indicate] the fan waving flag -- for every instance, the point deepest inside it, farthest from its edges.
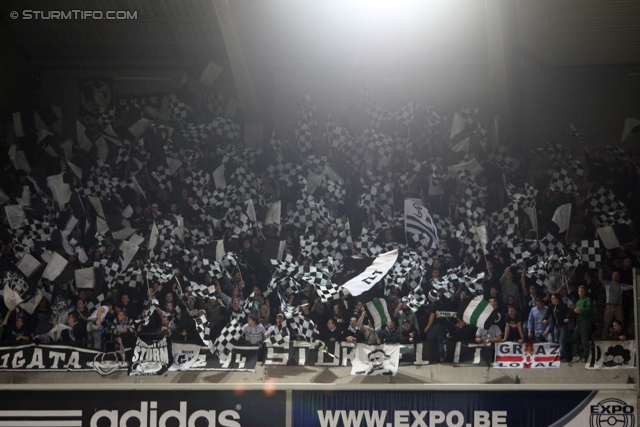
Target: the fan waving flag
(418, 221)
(372, 274)
(477, 312)
(379, 310)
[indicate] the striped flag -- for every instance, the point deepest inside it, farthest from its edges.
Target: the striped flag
(378, 309)
(478, 312)
(418, 221)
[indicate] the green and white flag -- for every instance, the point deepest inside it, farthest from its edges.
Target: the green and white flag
(478, 313)
(378, 309)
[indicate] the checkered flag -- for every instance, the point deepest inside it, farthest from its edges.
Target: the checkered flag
(406, 114)
(321, 282)
(95, 303)
(110, 269)
(377, 115)
(474, 212)
(305, 138)
(471, 243)
(575, 166)
(502, 159)
(40, 231)
(280, 335)
(340, 138)
(275, 143)
(131, 278)
(157, 272)
(181, 112)
(214, 102)
(315, 163)
(379, 142)
(335, 190)
(107, 116)
(162, 175)
(225, 128)
(561, 181)
(618, 153)
(228, 338)
(549, 245)
(365, 241)
(605, 201)
(590, 250)
(379, 195)
(197, 180)
(97, 187)
(203, 328)
(613, 218)
(324, 249)
(518, 253)
(304, 328)
(365, 98)
(506, 219)
(444, 226)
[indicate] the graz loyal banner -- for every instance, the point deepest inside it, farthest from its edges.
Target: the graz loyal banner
(177, 408)
(527, 355)
(464, 409)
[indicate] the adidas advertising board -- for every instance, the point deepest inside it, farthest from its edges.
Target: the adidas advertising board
(465, 409)
(177, 408)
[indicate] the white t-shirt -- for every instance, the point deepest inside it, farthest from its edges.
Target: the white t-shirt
(94, 315)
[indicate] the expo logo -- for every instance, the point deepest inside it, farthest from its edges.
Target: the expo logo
(612, 413)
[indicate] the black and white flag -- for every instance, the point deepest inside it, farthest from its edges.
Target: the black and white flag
(376, 360)
(418, 221)
(150, 359)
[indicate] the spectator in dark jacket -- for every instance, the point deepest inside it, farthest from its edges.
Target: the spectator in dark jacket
(558, 316)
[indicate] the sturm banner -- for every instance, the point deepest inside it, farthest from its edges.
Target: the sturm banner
(465, 409)
(299, 353)
(158, 408)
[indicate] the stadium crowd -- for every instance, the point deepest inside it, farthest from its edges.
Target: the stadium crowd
(206, 257)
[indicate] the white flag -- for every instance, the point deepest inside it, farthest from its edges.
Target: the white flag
(376, 360)
(55, 267)
(562, 217)
(372, 274)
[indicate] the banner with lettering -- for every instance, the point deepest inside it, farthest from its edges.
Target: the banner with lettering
(527, 355)
(58, 358)
(438, 408)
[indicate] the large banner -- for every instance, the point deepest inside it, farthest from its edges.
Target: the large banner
(527, 355)
(612, 355)
(155, 408)
(58, 358)
(143, 359)
(464, 409)
(300, 353)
